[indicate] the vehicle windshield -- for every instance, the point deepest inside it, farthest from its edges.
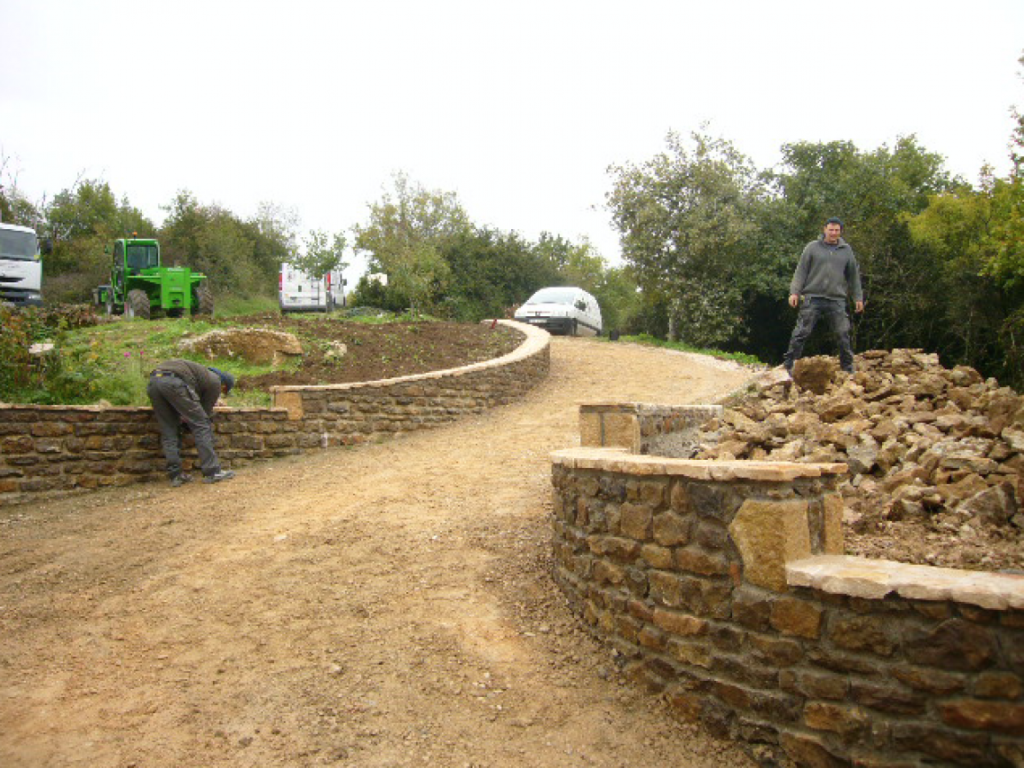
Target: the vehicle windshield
(142, 256)
(18, 245)
(553, 296)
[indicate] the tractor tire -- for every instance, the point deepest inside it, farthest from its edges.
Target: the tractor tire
(202, 300)
(137, 305)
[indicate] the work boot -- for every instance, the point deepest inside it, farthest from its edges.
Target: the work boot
(179, 480)
(220, 474)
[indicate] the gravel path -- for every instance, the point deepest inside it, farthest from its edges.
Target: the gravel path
(387, 605)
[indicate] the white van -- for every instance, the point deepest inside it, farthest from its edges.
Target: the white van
(564, 310)
(299, 292)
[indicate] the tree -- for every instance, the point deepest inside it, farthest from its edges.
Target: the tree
(322, 255)
(80, 223)
(15, 207)
(490, 272)
(406, 235)
(273, 233)
(212, 240)
(685, 223)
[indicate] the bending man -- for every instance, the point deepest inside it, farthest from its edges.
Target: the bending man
(183, 392)
(825, 276)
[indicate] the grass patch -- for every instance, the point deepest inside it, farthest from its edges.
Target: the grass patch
(648, 340)
(230, 306)
(111, 362)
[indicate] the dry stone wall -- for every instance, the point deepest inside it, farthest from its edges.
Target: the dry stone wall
(66, 449)
(721, 586)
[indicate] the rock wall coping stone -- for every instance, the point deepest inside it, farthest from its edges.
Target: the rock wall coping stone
(875, 579)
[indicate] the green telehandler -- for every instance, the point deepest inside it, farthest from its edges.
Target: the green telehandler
(140, 287)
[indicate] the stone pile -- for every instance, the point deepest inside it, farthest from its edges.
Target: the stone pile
(922, 442)
(254, 345)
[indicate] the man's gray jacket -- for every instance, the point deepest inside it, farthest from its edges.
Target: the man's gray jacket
(204, 382)
(827, 271)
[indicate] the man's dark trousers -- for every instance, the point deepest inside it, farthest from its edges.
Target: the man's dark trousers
(834, 310)
(175, 402)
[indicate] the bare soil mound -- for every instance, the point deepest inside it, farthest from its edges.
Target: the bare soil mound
(375, 351)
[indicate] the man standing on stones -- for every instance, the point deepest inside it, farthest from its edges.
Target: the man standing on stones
(184, 393)
(825, 277)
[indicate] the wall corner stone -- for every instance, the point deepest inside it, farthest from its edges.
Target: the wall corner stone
(768, 534)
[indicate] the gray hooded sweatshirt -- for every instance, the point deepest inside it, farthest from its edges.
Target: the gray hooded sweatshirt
(827, 271)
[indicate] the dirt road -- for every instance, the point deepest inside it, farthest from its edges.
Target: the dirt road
(387, 605)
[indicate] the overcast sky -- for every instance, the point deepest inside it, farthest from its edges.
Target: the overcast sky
(518, 107)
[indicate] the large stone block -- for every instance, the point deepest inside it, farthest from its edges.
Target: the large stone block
(680, 623)
(998, 716)
(672, 591)
(953, 748)
(929, 680)
(807, 752)
(768, 534)
(998, 685)
(952, 645)
(832, 504)
(845, 721)
(671, 529)
(887, 697)
(636, 521)
(814, 685)
(751, 609)
(796, 617)
(863, 633)
(695, 560)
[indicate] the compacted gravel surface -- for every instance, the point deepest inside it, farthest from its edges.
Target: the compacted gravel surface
(387, 605)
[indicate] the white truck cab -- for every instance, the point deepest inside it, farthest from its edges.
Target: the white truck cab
(562, 310)
(21, 266)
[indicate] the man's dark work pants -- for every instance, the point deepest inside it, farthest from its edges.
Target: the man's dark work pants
(834, 310)
(175, 402)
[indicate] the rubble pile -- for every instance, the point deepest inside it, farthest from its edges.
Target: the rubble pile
(935, 455)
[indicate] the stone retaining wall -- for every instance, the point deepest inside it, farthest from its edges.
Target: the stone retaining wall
(64, 449)
(661, 430)
(721, 585)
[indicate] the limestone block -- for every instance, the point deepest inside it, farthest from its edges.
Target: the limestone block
(671, 529)
(999, 685)
(679, 623)
(291, 402)
(833, 524)
(796, 617)
(768, 534)
(874, 579)
(616, 429)
(590, 429)
(863, 633)
(845, 721)
(1002, 717)
(636, 521)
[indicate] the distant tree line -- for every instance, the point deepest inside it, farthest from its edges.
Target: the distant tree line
(436, 259)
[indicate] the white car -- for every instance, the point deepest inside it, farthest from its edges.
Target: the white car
(564, 310)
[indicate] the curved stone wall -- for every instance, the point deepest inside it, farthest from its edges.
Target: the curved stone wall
(66, 449)
(721, 586)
